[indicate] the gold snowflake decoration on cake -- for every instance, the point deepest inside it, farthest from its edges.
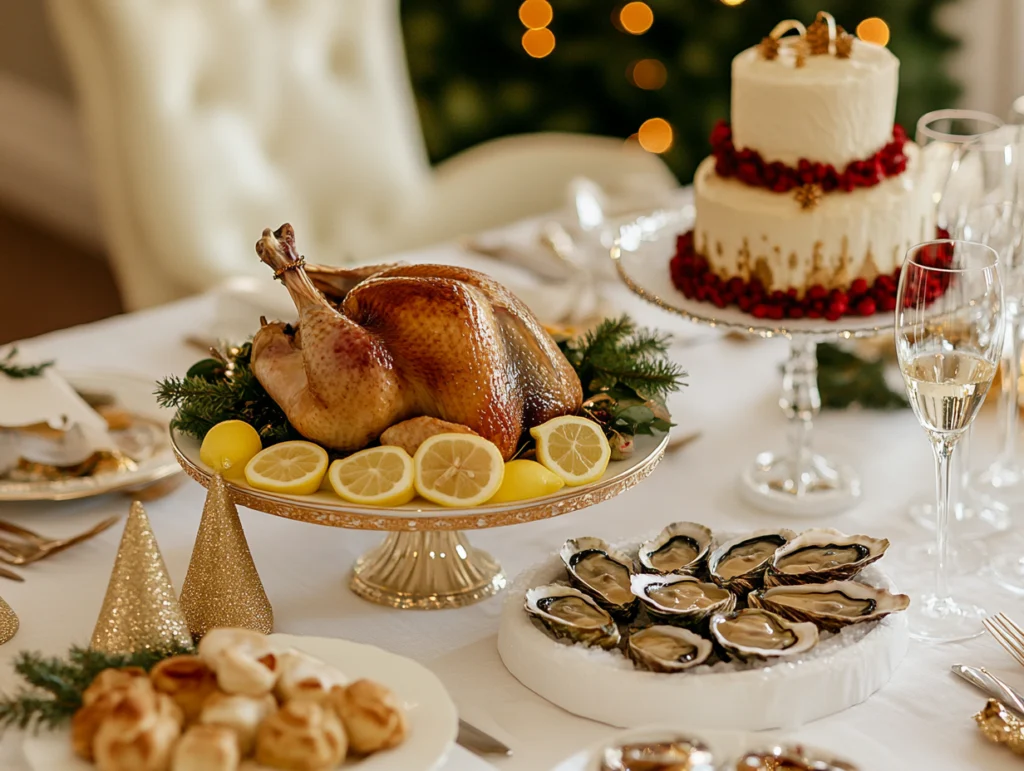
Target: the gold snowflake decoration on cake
(844, 44)
(808, 196)
(818, 38)
(769, 48)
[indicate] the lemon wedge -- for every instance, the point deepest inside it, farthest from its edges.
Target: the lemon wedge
(573, 447)
(229, 446)
(296, 468)
(379, 476)
(458, 469)
(526, 479)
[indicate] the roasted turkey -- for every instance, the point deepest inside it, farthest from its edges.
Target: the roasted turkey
(380, 345)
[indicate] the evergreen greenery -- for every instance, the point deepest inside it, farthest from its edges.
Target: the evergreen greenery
(10, 368)
(473, 80)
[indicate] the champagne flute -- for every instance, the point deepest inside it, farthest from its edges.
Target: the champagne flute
(949, 337)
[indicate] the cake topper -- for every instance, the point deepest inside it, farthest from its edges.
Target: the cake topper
(822, 38)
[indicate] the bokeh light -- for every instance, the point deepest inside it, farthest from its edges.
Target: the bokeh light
(538, 43)
(732, 2)
(536, 14)
(648, 74)
(873, 30)
(636, 18)
(655, 135)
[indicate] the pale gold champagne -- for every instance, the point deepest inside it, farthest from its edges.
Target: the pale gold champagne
(946, 390)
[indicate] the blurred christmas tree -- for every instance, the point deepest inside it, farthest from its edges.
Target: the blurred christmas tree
(606, 67)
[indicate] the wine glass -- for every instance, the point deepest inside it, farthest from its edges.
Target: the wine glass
(949, 336)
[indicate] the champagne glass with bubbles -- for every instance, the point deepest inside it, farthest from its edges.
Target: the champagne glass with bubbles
(949, 337)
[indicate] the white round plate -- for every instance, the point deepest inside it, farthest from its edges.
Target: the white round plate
(134, 393)
(604, 686)
(433, 720)
(642, 252)
(326, 508)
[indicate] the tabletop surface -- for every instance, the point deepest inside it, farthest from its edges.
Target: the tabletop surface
(921, 719)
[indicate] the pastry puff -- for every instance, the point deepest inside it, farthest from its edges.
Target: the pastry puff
(301, 736)
(98, 701)
(242, 660)
(241, 714)
(206, 748)
(371, 715)
(139, 733)
(187, 680)
(300, 676)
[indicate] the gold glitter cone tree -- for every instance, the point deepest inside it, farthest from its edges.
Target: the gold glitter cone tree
(222, 587)
(140, 610)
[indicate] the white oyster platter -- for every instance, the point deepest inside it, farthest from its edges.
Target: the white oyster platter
(734, 632)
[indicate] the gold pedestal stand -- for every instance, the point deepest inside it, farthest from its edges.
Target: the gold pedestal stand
(426, 562)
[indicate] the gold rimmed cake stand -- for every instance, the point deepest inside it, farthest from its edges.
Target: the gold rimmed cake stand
(426, 560)
(796, 480)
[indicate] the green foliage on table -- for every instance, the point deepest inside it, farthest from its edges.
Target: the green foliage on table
(846, 379)
(473, 80)
(9, 367)
(54, 686)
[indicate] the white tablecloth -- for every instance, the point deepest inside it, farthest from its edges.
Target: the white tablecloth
(922, 719)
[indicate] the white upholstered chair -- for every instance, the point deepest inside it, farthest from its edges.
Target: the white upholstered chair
(210, 120)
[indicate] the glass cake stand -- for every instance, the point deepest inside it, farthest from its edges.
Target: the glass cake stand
(426, 561)
(796, 480)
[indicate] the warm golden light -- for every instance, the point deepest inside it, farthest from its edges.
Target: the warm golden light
(535, 14)
(732, 2)
(648, 74)
(873, 30)
(655, 135)
(636, 18)
(538, 43)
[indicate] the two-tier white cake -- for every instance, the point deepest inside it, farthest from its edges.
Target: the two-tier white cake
(812, 196)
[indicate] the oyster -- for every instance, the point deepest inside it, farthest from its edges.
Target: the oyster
(831, 605)
(820, 555)
(668, 648)
(679, 754)
(753, 633)
(602, 572)
(739, 564)
(682, 547)
(569, 613)
(681, 600)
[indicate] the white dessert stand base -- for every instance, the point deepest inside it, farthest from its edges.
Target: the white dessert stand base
(604, 686)
(796, 481)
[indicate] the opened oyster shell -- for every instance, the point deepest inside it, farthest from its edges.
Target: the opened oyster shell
(820, 555)
(831, 605)
(753, 633)
(568, 613)
(602, 572)
(679, 599)
(663, 648)
(682, 547)
(739, 564)
(680, 754)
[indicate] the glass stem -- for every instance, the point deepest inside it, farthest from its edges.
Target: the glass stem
(1011, 389)
(943, 447)
(800, 401)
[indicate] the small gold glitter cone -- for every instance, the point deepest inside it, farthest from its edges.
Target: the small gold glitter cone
(222, 587)
(8, 622)
(140, 610)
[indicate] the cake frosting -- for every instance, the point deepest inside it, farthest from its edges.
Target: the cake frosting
(812, 195)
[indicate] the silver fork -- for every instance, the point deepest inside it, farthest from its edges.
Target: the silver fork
(1008, 634)
(35, 547)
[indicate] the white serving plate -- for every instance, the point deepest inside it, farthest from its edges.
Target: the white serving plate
(133, 393)
(433, 720)
(603, 685)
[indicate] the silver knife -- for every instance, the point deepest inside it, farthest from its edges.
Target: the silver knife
(475, 740)
(988, 683)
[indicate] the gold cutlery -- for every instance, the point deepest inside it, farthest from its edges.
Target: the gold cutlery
(10, 574)
(1008, 634)
(35, 547)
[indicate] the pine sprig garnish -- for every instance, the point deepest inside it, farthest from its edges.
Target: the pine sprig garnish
(845, 379)
(19, 371)
(224, 388)
(54, 686)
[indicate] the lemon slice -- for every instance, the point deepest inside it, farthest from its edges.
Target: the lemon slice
(296, 468)
(379, 476)
(573, 447)
(229, 446)
(458, 469)
(526, 479)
